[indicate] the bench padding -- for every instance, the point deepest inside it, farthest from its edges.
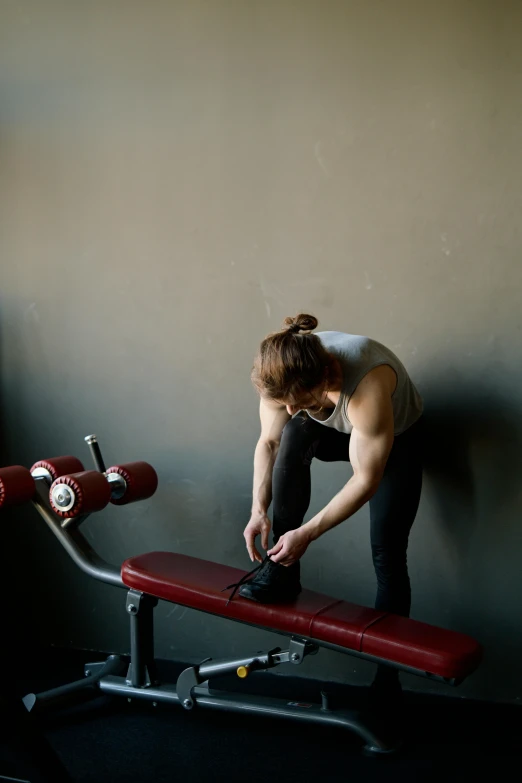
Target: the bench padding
(196, 583)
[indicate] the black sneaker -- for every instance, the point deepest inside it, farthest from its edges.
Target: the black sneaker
(270, 583)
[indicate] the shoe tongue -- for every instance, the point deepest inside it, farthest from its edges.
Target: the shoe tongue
(276, 571)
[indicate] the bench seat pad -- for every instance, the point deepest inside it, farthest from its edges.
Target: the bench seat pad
(192, 582)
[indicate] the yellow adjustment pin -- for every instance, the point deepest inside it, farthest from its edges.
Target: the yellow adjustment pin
(243, 671)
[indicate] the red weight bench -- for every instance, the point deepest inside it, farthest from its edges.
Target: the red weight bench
(311, 621)
(406, 644)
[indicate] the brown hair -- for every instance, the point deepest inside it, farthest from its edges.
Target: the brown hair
(290, 361)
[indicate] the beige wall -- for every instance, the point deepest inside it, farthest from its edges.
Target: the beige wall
(175, 178)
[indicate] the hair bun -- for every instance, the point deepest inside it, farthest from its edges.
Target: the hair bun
(292, 326)
(302, 323)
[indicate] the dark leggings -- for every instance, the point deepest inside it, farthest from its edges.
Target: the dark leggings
(392, 508)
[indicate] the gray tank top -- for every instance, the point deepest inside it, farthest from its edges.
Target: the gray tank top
(357, 356)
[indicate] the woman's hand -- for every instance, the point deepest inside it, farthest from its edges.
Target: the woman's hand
(291, 547)
(259, 525)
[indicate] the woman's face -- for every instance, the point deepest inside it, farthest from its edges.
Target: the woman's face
(313, 401)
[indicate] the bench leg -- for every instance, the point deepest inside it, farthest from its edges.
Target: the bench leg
(66, 695)
(142, 670)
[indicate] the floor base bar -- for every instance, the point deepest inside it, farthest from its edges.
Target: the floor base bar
(257, 705)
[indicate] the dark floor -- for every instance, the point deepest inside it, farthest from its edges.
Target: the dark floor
(109, 740)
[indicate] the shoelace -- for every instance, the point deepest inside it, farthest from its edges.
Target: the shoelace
(244, 579)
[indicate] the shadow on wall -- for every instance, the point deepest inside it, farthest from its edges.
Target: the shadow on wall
(473, 455)
(3, 454)
(472, 477)
(12, 573)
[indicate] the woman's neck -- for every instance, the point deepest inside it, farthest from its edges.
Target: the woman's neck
(335, 376)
